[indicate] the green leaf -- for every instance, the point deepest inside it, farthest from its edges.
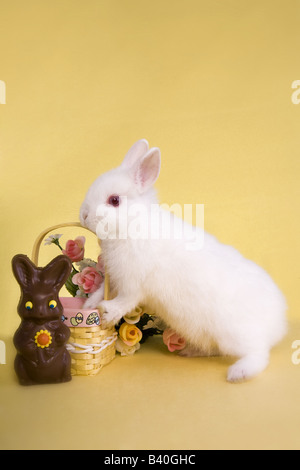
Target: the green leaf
(71, 288)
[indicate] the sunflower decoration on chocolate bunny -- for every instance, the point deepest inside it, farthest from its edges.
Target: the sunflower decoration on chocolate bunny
(41, 338)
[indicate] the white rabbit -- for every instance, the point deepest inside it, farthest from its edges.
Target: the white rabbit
(220, 302)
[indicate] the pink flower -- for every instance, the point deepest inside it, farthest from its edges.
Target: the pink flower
(89, 280)
(75, 249)
(173, 340)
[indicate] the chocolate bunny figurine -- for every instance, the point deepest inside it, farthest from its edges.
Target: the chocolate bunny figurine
(41, 338)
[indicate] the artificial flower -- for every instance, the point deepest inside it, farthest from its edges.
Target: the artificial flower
(134, 316)
(89, 280)
(173, 341)
(154, 322)
(130, 334)
(126, 350)
(85, 262)
(53, 239)
(75, 249)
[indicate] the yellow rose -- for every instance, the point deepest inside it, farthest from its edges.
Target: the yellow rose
(130, 334)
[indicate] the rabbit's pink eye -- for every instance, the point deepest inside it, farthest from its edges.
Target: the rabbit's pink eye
(114, 200)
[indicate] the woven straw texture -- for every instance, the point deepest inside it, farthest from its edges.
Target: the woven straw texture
(91, 363)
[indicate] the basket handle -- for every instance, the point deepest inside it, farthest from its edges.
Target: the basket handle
(40, 238)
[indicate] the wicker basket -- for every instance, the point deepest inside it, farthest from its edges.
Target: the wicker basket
(91, 347)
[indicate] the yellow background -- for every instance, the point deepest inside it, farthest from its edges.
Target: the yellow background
(209, 82)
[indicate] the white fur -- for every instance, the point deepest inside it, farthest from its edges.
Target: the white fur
(220, 302)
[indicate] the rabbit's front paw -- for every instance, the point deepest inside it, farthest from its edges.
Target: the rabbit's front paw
(90, 303)
(94, 300)
(111, 313)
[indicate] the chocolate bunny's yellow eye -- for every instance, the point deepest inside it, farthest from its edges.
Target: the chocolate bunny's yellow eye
(52, 303)
(29, 305)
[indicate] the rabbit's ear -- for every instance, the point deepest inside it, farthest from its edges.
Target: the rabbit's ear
(24, 270)
(138, 150)
(57, 271)
(146, 171)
